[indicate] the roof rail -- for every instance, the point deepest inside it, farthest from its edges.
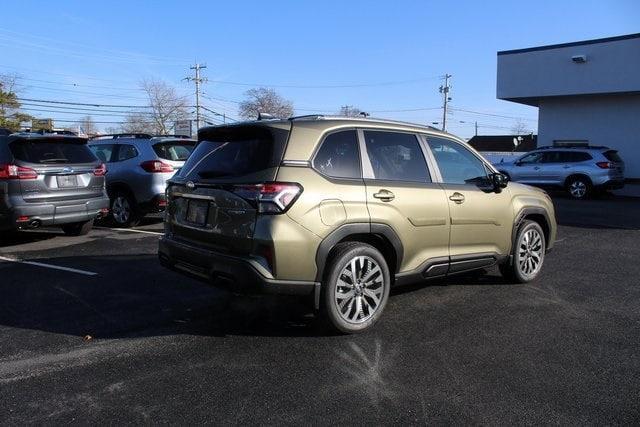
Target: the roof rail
(123, 135)
(173, 136)
(576, 146)
(360, 119)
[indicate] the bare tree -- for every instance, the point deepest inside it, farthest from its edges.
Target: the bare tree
(87, 125)
(165, 108)
(349, 111)
(265, 100)
(10, 116)
(139, 123)
(520, 128)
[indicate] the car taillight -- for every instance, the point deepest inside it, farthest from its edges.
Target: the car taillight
(156, 166)
(17, 172)
(604, 165)
(270, 197)
(100, 170)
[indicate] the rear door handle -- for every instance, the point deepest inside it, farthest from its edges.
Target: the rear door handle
(384, 195)
(456, 197)
(536, 168)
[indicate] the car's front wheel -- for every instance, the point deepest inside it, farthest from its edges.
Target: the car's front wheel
(355, 289)
(527, 254)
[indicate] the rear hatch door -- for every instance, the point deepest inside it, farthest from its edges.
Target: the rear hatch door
(617, 164)
(208, 200)
(65, 169)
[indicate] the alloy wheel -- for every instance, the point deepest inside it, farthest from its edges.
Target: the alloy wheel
(530, 253)
(578, 189)
(121, 210)
(359, 290)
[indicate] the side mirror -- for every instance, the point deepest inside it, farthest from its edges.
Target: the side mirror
(499, 181)
(518, 163)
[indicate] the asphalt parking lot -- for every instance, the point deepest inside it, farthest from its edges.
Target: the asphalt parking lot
(472, 349)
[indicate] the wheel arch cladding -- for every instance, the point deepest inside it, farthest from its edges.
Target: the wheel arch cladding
(122, 187)
(536, 214)
(380, 236)
(578, 175)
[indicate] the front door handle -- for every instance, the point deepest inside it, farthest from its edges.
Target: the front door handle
(384, 195)
(536, 168)
(456, 197)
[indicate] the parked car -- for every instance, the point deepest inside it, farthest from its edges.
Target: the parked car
(139, 166)
(341, 209)
(578, 169)
(50, 179)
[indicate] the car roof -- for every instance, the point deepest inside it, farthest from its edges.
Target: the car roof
(574, 148)
(138, 137)
(328, 121)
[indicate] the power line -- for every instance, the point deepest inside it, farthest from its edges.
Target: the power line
(333, 86)
(491, 114)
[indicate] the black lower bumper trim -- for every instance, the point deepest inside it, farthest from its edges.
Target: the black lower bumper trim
(232, 273)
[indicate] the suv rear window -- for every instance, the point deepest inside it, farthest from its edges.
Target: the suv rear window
(52, 151)
(176, 151)
(253, 152)
(612, 156)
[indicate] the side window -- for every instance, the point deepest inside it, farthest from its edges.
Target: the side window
(126, 152)
(531, 158)
(555, 157)
(457, 164)
(396, 156)
(339, 156)
(580, 157)
(104, 152)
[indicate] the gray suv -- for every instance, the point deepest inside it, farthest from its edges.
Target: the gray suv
(139, 167)
(580, 169)
(50, 179)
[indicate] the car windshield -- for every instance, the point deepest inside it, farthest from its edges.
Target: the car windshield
(52, 151)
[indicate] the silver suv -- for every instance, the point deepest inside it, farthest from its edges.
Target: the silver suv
(50, 179)
(139, 166)
(580, 170)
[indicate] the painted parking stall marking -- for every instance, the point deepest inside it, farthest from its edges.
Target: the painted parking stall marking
(44, 265)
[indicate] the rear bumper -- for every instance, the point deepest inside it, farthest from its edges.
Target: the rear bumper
(47, 214)
(235, 274)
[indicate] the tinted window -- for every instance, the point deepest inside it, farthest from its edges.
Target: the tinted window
(555, 157)
(176, 151)
(232, 151)
(52, 151)
(613, 156)
(457, 164)
(126, 152)
(104, 152)
(339, 156)
(396, 156)
(531, 158)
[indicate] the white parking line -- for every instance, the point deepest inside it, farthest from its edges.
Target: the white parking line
(54, 267)
(133, 230)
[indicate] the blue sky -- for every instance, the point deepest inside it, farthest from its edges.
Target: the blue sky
(97, 52)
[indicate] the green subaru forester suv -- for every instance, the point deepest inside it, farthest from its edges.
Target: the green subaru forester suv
(342, 209)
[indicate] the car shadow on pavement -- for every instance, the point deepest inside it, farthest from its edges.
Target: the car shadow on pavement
(602, 211)
(133, 296)
(13, 238)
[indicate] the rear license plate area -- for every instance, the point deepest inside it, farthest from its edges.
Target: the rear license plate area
(197, 211)
(67, 181)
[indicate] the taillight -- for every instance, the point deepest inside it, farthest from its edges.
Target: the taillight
(100, 170)
(270, 197)
(17, 172)
(156, 166)
(604, 165)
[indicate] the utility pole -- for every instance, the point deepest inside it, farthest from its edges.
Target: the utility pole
(476, 128)
(198, 80)
(444, 90)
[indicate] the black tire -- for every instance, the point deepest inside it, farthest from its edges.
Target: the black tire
(124, 211)
(578, 187)
(514, 271)
(369, 262)
(77, 228)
